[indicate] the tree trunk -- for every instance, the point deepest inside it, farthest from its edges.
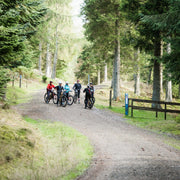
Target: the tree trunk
(169, 91)
(4, 92)
(53, 76)
(105, 73)
(116, 80)
(161, 69)
(48, 60)
(169, 83)
(149, 77)
(137, 75)
(156, 75)
(40, 56)
(99, 77)
(179, 90)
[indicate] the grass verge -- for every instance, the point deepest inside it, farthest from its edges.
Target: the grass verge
(68, 153)
(17, 95)
(143, 119)
(40, 150)
(147, 120)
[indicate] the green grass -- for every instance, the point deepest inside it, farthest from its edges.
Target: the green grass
(148, 120)
(40, 149)
(17, 145)
(31, 149)
(16, 95)
(72, 151)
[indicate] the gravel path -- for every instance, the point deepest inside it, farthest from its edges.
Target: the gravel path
(122, 151)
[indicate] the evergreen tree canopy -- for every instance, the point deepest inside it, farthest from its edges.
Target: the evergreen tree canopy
(169, 24)
(18, 22)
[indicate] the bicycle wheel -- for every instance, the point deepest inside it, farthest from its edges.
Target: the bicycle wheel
(70, 100)
(59, 102)
(55, 99)
(64, 101)
(75, 99)
(90, 103)
(93, 99)
(46, 99)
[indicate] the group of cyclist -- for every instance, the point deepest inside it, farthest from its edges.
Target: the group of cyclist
(89, 90)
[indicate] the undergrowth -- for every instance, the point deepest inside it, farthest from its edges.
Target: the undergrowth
(41, 150)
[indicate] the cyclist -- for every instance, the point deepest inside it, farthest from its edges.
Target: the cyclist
(67, 89)
(92, 89)
(50, 87)
(74, 85)
(87, 92)
(59, 90)
(77, 87)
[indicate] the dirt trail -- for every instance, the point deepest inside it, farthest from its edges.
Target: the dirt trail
(122, 151)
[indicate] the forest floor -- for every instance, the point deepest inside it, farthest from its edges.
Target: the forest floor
(121, 151)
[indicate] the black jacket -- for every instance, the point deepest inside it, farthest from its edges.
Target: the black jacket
(87, 91)
(77, 86)
(59, 89)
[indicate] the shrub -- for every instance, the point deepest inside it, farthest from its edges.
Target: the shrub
(25, 72)
(4, 79)
(44, 79)
(178, 119)
(175, 90)
(6, 106)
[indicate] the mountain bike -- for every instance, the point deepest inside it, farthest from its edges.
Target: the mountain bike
(75, 96)
(52, 96)
(70, 99)
(93, 99)
(62, 99)
(90, 103)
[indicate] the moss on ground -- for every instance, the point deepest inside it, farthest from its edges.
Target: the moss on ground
(33, 149)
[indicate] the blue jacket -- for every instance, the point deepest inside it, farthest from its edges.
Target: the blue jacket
(67, 88)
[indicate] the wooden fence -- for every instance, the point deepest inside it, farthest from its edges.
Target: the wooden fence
(165, 110)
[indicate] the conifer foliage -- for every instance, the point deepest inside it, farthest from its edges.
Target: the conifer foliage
(18, 22)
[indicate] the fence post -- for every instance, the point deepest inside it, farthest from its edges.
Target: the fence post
(165, 112)
(20, 77)
(110, 98)
(156, 113)
(126, 104)
(131, 108)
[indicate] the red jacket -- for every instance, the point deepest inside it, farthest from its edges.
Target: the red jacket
(49, 87)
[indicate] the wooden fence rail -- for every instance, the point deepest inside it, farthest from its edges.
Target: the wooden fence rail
(165, 110)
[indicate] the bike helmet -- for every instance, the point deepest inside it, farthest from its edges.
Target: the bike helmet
(90, 83)
(78, 80)
(60, 82)
(50, 82)
(67, 82)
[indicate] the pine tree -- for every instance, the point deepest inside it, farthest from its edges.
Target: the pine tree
(18, 22)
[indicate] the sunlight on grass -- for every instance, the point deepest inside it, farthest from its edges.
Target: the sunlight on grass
(40, 150)
(16, 95)
(141, 118)
(148, 120)
(68, 152)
